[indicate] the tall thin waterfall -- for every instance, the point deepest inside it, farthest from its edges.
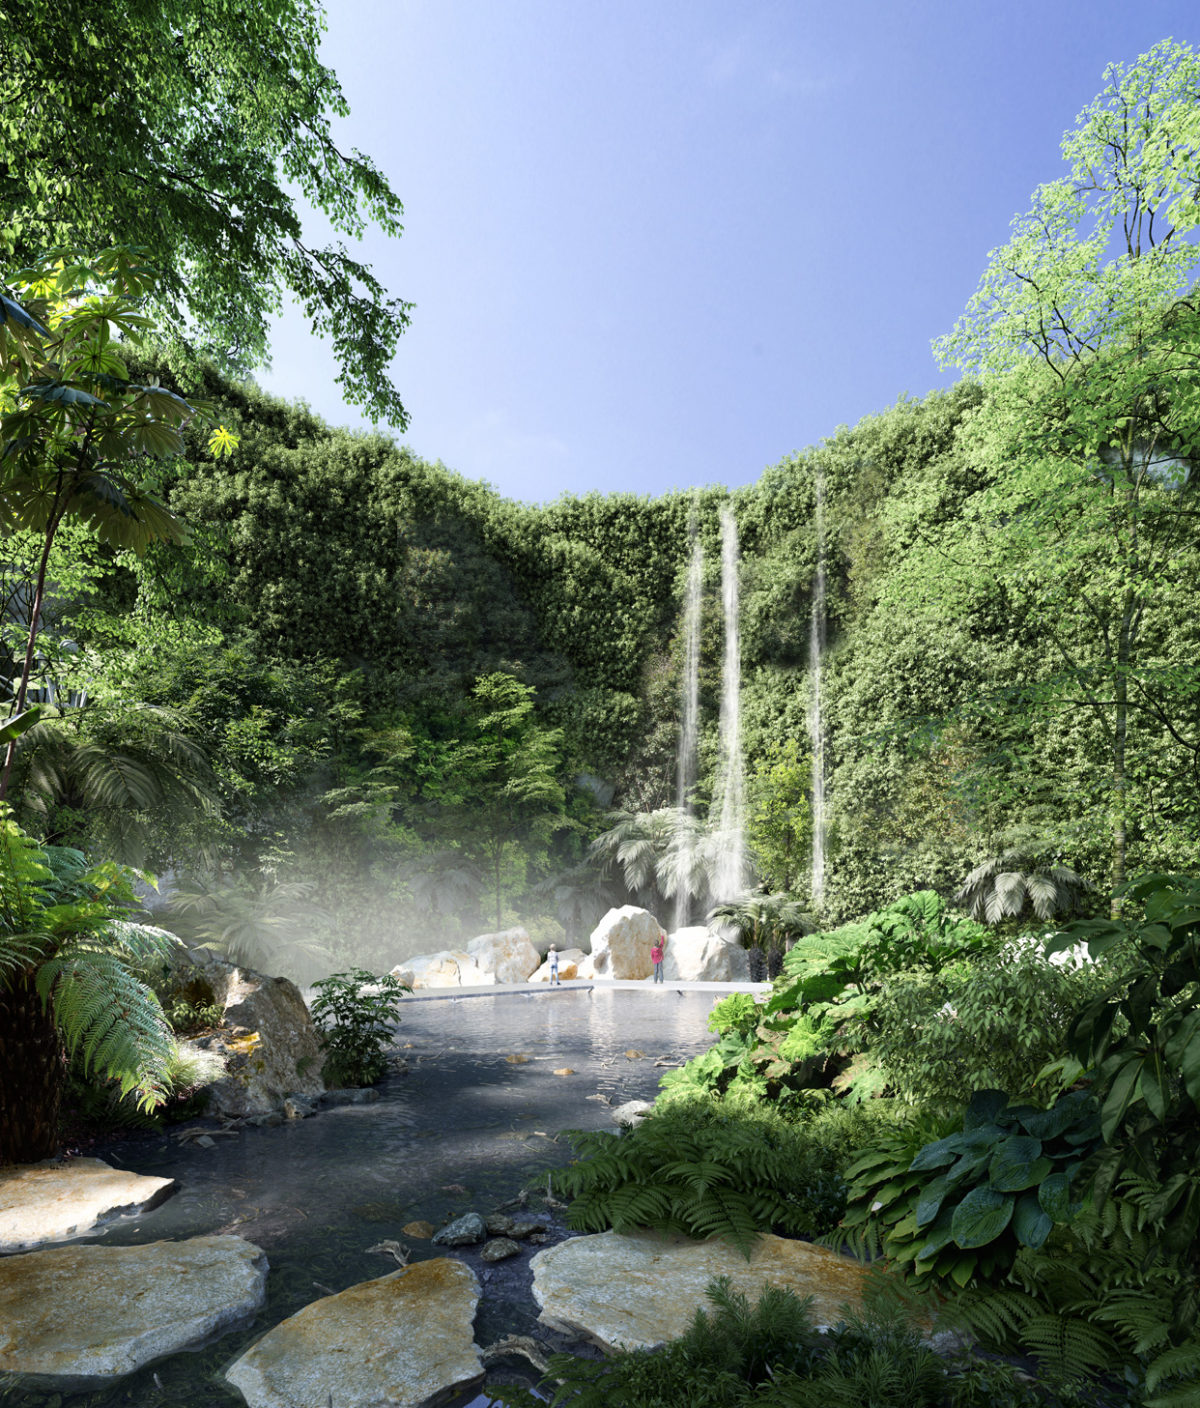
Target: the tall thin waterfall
(731, 859)
(816, 649)
(689, 735)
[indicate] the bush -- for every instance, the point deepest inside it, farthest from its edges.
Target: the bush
(705, 1169)
(991, 1023)
(769, 1355)
(357, 1012)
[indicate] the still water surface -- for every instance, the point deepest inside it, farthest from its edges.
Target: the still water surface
(316, 1193)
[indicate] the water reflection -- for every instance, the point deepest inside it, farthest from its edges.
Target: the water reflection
(464, 1129)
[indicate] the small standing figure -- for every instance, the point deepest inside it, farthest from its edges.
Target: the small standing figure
(553, 958)
(656, 957)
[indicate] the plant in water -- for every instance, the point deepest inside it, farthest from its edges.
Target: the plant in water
(357, 1012)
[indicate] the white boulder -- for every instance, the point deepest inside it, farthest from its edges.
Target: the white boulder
(697, 955)
(42, 1202)
(621, 943)
(451, 968)
(569, 960)
(508, 956)
(637, 1290)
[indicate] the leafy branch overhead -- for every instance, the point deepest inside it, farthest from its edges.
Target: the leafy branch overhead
(186, 127)
(75, 429)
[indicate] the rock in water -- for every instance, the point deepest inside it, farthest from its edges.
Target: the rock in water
(640, 1289)
(621, 943)
(267, 1036)
(46, 1201)
(78, 1318)
(398, 1342)
(464, 1231)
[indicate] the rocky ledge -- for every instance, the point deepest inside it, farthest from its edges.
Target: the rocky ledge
(49, 1201)
(75, 1319)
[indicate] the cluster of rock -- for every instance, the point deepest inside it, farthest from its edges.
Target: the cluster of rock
(78, 1318)
(619, 950)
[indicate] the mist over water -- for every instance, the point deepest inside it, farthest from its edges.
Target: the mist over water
(730, 880)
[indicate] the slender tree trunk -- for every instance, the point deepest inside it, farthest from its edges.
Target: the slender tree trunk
(32, 1075)
(1120, 837)
(35, 616)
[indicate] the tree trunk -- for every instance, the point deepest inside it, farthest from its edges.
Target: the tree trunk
(32, 1075)
(1120, 742)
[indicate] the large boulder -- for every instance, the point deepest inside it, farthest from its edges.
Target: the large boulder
(569, 960)
(451, 968)
(267, 1038)
(508, 956)
(402, 1341)
(46, 1201)
(78, 1318)
(621, 943)
(638, 1290)
(697, 955)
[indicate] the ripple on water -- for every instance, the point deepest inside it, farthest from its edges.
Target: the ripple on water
(465, 1128)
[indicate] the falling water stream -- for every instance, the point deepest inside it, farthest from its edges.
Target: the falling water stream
(731, 861)
(465, 1129)
(816, 650)
(689, 734)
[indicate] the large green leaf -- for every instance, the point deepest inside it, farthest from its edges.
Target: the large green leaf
(981, 1217)
(1031, 1222)
(1017, 1164)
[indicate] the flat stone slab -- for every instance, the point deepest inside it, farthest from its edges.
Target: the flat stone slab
(638, 1290)
(78, 1318)
(402, 1341)
(49, 1201)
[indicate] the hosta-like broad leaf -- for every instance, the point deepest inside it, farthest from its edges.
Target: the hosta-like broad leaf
(981, 1217)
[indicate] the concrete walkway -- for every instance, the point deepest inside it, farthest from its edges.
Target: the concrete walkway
(759, 990)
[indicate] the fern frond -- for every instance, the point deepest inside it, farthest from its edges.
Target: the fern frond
(1181, 1362)
(110, 1020)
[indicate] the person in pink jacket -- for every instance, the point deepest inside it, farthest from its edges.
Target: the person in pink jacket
(656, 956)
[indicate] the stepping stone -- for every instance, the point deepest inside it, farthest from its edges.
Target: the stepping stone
(49, 1201)
(75, 1319)
(640, 1289)
(401, 1341)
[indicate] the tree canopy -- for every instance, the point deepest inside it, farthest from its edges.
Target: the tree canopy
(191, 128)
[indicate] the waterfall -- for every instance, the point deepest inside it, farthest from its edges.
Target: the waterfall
(816, 649)
(689, 735)
(731, 859)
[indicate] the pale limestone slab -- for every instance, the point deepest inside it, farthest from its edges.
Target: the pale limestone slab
(75, 1319)
(638, 1290)
(401, 1341)
(49, 1201)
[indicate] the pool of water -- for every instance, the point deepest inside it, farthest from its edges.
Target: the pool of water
(465, 1129)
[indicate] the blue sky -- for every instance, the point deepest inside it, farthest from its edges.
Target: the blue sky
(661, 243)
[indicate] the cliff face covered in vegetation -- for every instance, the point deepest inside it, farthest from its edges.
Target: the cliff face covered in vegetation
(422, 701)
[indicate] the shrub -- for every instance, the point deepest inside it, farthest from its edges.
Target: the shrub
(704, 1169)
(992, 1023)
(769, 1355)
(357, 1012)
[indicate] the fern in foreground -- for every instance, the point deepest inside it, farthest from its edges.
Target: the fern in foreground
(702, 1170)
(769, 1355)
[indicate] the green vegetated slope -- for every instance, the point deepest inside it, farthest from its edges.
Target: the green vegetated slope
(341, 598)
